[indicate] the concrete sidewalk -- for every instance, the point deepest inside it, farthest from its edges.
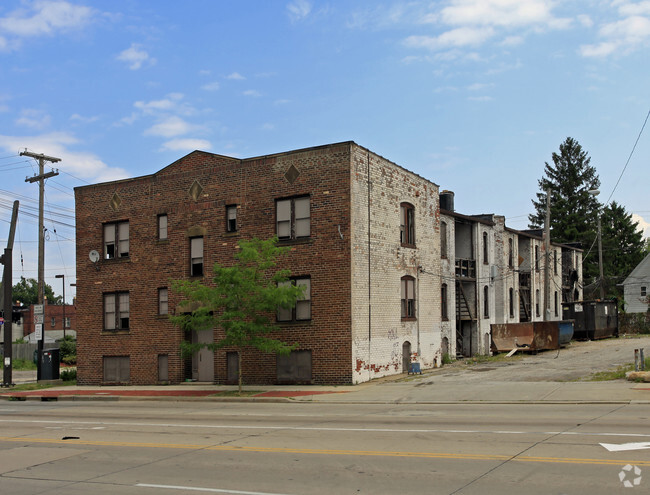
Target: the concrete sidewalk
(428, 388)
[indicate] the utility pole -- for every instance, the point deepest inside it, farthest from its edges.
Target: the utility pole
(7, 299)
(547, 257)
(40, 178)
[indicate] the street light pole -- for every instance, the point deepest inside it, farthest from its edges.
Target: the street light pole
(63, 277)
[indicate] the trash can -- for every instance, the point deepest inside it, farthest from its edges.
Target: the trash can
(50, 364)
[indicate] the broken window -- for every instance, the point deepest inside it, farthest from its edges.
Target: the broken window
(407, 224)
(116, 311)
(408, 297)
(231, 218)
(301, 311)
(116, 240)
(293, 218)
(196, 256)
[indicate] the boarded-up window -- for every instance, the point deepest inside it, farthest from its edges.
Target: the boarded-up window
(117, 369)
(162, 227)
(294, 367)
(163, 368)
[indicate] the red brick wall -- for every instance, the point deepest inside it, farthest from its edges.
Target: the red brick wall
(253, 185)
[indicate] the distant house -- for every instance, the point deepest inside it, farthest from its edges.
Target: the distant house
(635, 288)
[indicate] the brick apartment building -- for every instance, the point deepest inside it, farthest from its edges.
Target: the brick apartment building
(365, 238)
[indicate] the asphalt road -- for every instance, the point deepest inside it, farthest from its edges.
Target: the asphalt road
(305, 448)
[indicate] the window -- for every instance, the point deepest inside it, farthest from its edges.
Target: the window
(443, 239)
(555, 261)
(292, 218)
(511, 254)
(163, 301)
(537, 302)
(644, 291)
(66, 322)
(196, 256)
(443, 302)
(53, 322)
(407, 225)
(536, 257)
(116, 240)
(302, 310)
(162, 227)
(116, 311)
(408, 298)
(486, 258)
(486, 302)
(231, 218)
(511, 301)
(555, 302)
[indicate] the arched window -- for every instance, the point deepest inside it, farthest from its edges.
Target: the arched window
(408, 298)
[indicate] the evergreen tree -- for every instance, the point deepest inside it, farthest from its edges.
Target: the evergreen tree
(623, 246)
(573, 210)
(242, 302)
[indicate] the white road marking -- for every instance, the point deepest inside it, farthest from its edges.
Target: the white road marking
(198, 489)
(619, 447)
(316, 428)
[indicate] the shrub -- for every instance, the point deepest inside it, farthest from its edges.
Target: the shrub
(68, 350)
(68, 375)
(446, 358)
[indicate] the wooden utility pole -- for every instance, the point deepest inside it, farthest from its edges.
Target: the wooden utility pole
(547, 258)
(7, 299)
(40, 178)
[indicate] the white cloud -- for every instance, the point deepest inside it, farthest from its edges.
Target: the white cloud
(85, 120)
(135, 57)
(298, 10)
(480, 98)
(45, 17)
(213, 86)
(508, 13)
(170, 127)
(235, 76)
(620, 37)
(83, 164)
(34, 119)
(268, 126)
(644, 225)
(459, 37)
(639, 8)
(186, 145)
(253, 93)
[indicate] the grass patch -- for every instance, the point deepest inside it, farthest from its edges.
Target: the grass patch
(26, 387)
(617, 374)
(497, 358)
(23, 364)
(235, 393)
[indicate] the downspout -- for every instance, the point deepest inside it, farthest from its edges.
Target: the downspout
(369, 272)
(417, 308)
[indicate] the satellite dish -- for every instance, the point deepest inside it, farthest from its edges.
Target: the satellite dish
(94, 256)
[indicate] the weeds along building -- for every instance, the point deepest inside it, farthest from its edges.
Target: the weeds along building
(390, 276)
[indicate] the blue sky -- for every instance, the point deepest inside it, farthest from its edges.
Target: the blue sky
(474, 95)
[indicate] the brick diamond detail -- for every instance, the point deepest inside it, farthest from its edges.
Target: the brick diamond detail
(292, 174)
(196, 190)
(115, 202)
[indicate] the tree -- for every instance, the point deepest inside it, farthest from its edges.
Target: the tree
(242, 302)
(573, 210)
(623, 246)
(26, 291)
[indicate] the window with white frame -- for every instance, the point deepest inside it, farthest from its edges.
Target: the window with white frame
(293, 218)
(196, 256)
(163, 301)
(162, 227)
(116, 240)
(301, 311)
(116, 311)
